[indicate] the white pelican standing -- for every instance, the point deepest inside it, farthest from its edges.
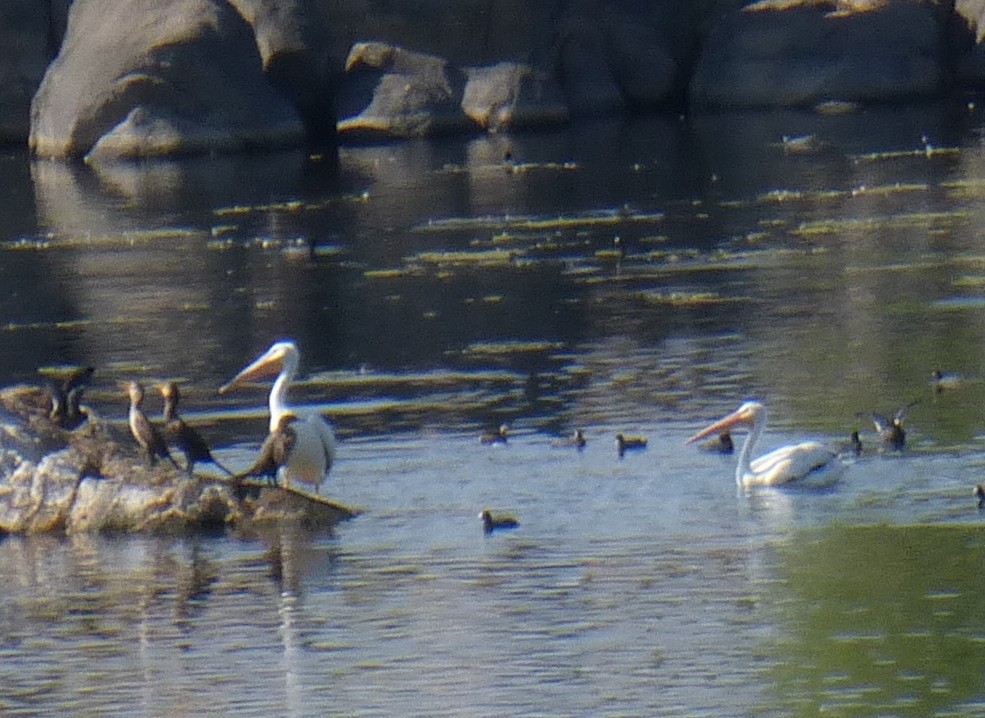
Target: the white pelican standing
(314, 449)
(807, 460)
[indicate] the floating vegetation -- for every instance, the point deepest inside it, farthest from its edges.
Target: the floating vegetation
(927, 151)
(915, 220)
(490, 257)
(506, 223)
(510, 348)
(964, 189)
(890, 189)
(391, 273)
(292, 206)
(683, 299)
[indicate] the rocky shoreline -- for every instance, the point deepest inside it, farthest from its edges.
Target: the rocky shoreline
(83, 480)
(109, 79)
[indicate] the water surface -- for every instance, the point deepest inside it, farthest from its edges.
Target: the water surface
(639, 277)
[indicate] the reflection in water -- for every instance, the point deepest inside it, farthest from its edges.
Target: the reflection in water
(635, 277)
(884, 620)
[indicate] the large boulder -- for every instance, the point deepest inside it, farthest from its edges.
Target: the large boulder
(25, 31)
(800, 52)
(139, 78)
(512, 95)
(612, 56)
(292, 38)
(393, 92)
(81, 480)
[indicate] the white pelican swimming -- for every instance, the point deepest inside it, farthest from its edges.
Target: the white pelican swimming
(807, 460)
(314, 449)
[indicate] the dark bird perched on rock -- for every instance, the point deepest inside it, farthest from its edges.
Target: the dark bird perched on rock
(721, 445)
(143, 430)
(492, 523)
(577, 440)
(629, 443)
(496, 437)
(66, 397)
(891, 430)
(275, 450)
(180, 434)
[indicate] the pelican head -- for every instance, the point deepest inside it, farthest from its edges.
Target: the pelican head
(281, 357)
(746, 416)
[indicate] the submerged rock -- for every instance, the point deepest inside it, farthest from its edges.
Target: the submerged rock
(53, 479)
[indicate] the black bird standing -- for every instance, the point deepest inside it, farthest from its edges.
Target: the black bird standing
(180, 434)
(275, 451)
(66, 398)
(143, 431)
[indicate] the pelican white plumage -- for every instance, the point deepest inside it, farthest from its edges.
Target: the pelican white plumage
(808, 460)
(314, 449)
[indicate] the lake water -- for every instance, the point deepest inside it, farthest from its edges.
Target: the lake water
(643, 277)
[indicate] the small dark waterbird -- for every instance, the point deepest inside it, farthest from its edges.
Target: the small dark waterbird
(66, 397)
(980, 493)
(492, 523)
(275, 450)
(723, 444)
(576, 440)
(942, 381)
(183, 436)
(629, 443)
(891, 430)
(499, 436)
(143, 431)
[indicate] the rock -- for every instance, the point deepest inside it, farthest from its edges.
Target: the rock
(800, 52)
(618, 55)
(25, 30)
(82, 480)
(292, 39)
(392, 92)
(139, 78)
(512, 95)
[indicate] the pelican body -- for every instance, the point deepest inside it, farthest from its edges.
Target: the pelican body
(810, 460)
(313, 452)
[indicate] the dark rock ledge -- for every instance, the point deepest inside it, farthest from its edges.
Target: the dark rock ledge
(83, 480)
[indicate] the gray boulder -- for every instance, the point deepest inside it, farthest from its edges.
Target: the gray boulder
(139, 78)
(512, 95)
(392, 92)
(80, 480)
(25, 30)
(800, 52)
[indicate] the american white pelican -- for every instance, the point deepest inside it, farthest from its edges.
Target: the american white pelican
(780, 466)
(313, 452)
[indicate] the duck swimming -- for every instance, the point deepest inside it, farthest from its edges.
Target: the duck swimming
(492, 523)
(576, 440)
(496, 437)
(629, 443)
